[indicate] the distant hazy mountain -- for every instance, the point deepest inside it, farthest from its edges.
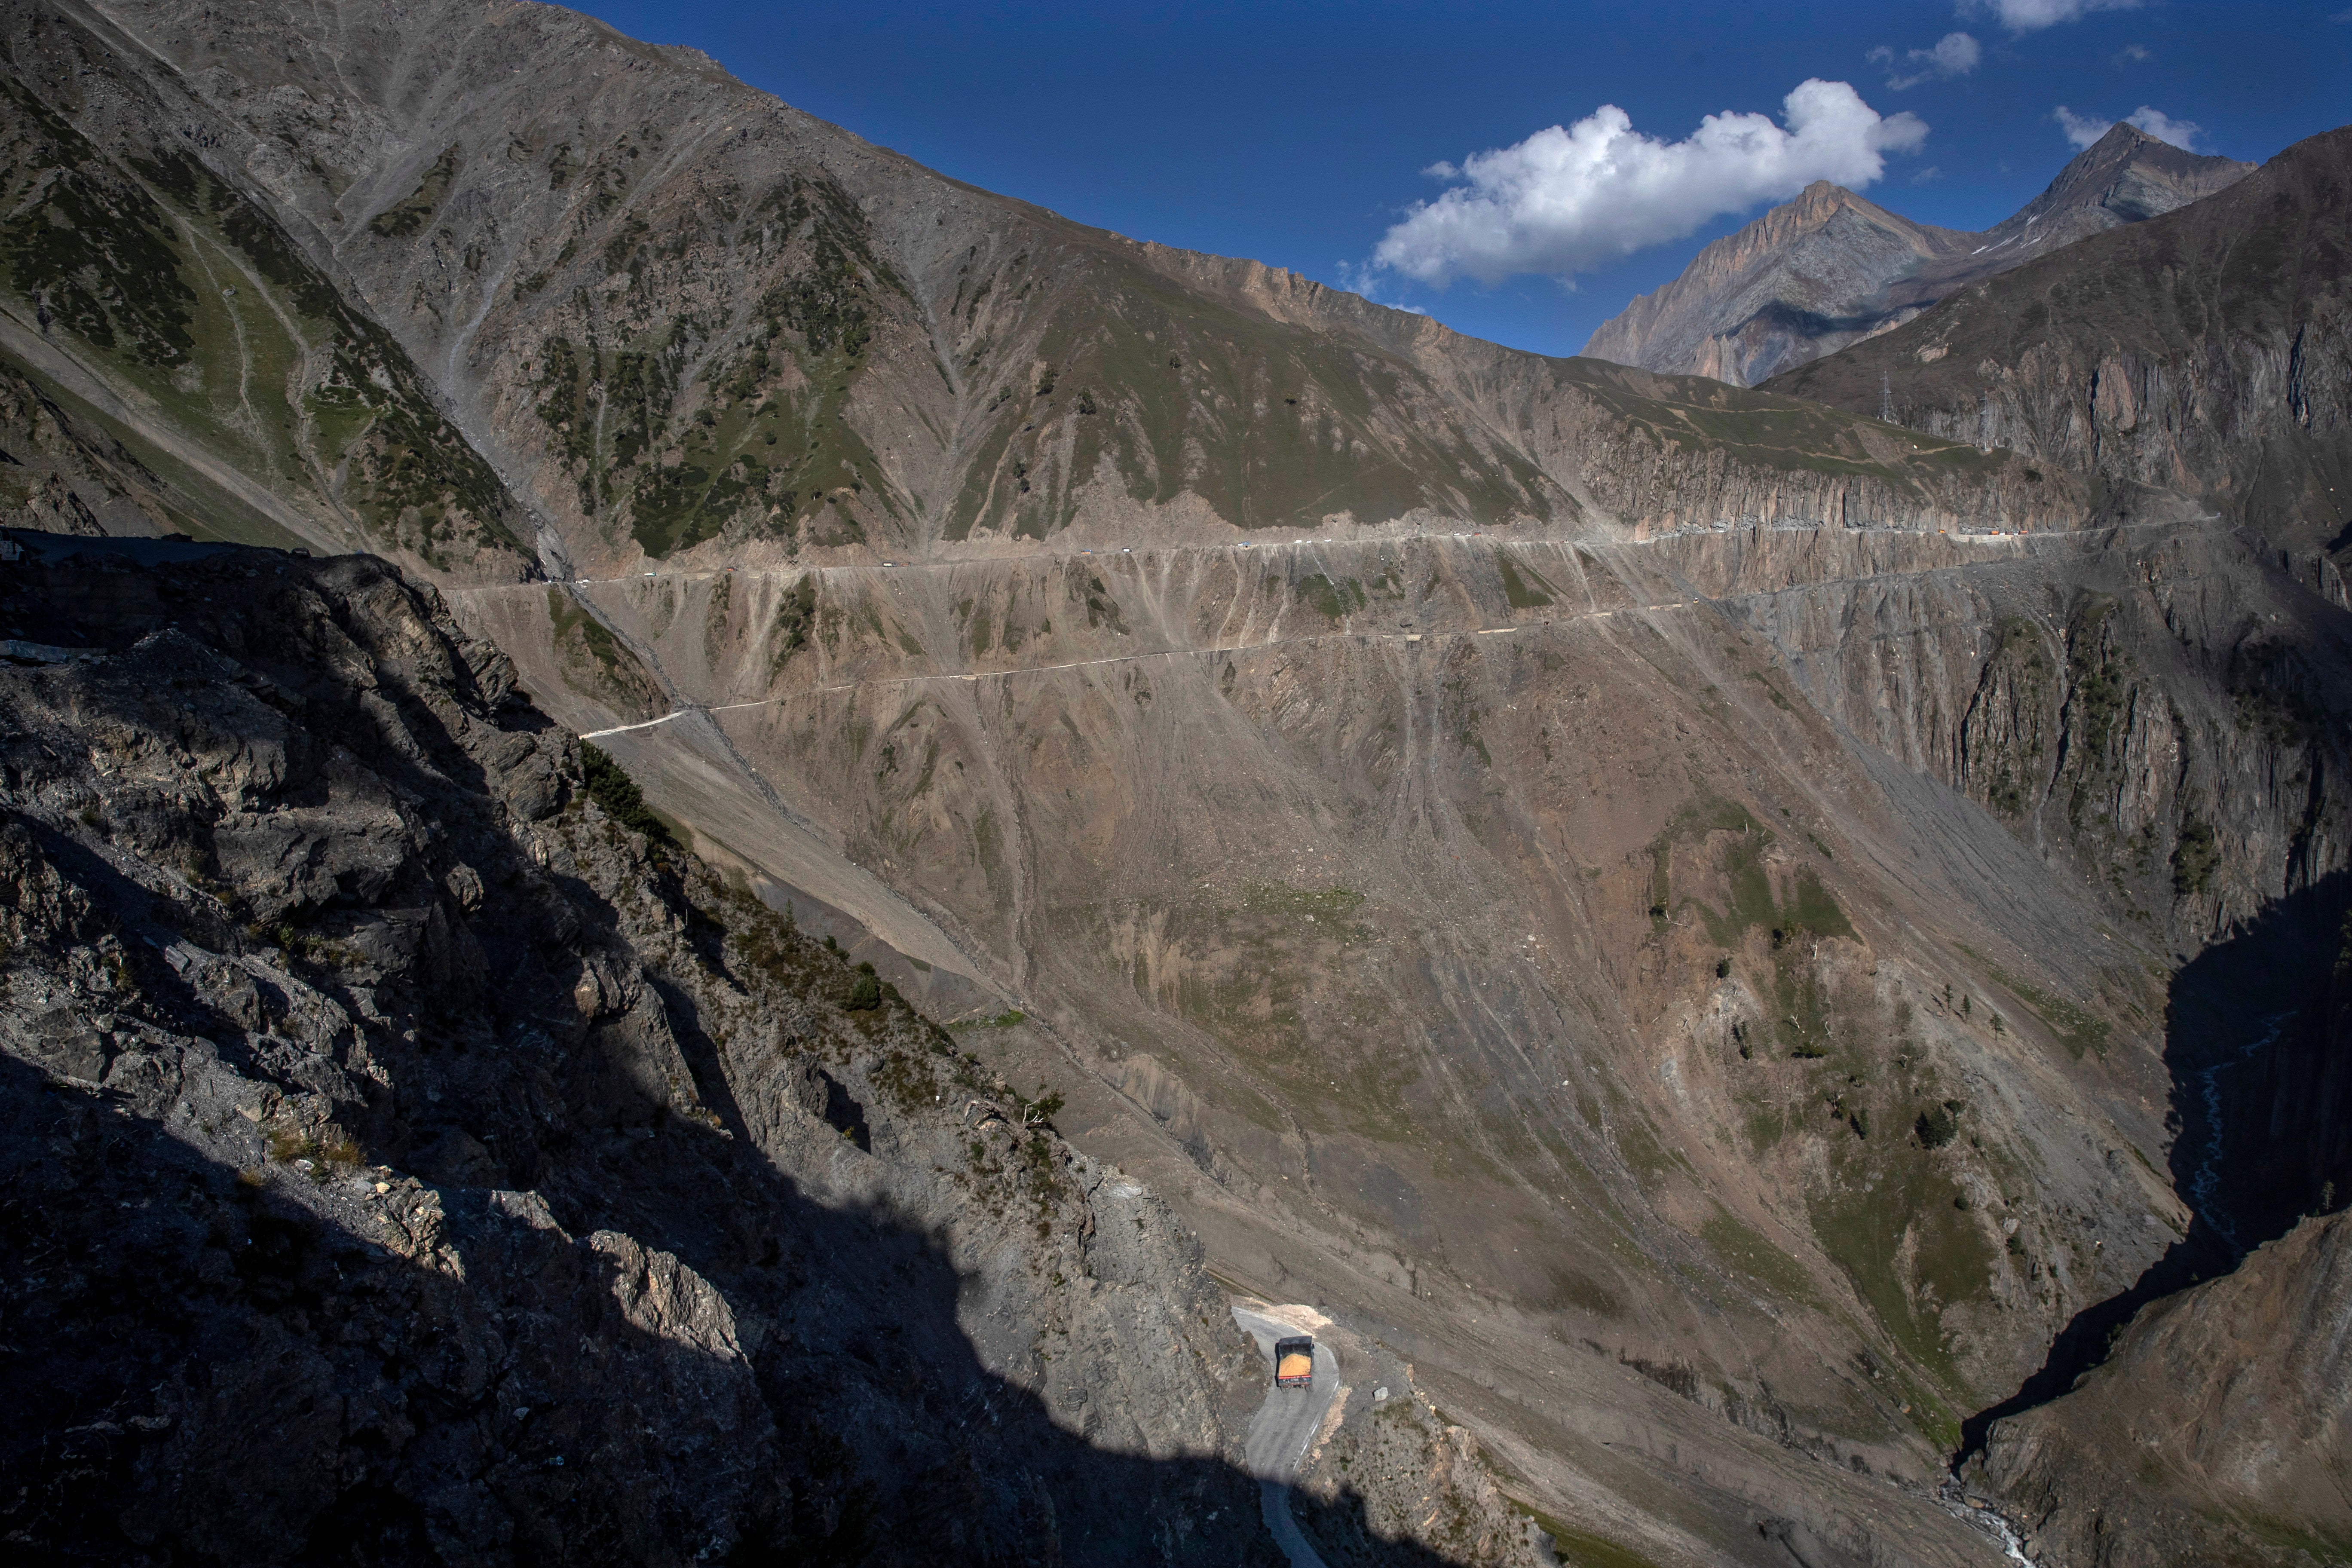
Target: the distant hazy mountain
(1830, 268)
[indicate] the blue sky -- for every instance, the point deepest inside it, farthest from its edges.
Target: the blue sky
(1300, 134)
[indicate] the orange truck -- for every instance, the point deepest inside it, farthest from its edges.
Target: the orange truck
(1293, 1362)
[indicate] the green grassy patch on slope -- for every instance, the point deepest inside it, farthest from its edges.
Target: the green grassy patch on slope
(1334, 601)
(1580, 1548)
(153, 273)
(1525, 592)
(2076, 1028)
(410, 214)
(1745, 1249)
(1752, 901)
(1880, 1193)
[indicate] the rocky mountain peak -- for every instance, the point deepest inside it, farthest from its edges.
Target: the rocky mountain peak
(2127, 157)
(2123, 143)
(1821, 197)
(2125, 176)
(2084, 359)
(1829, 267)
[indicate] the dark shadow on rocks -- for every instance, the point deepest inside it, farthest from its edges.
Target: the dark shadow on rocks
(208, 1367)
(664, 1350)
(1342, 1533)
(893, 1441)
(2261, 1063)
(226, 1370)
(148, 924)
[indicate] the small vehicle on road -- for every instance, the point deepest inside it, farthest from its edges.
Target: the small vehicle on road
(1293, 1362)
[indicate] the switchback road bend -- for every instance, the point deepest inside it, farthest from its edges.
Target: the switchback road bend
(1281, 1430)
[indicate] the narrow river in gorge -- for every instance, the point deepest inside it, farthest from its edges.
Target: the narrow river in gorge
(2205, 1181)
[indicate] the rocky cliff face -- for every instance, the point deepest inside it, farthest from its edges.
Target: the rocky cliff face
(408, 1162)
(2205, 352)
(2215, 1433)
(1828, 268)
(2151, 722)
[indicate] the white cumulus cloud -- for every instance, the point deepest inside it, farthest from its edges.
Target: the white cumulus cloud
(1955, 54)
(1566, 201)
(2033, 15)
(2181, 133)
(2083, 129)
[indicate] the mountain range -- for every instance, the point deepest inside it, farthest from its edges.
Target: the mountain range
(1726, 940)
(1830, 268)
(2195, 354)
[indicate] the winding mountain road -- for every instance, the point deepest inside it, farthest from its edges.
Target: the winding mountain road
(1281, 1430)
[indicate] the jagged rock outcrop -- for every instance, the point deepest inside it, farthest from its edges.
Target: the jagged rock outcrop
(1394, 1470)
(405, 1161)
(1830, 268)
(2207, 351)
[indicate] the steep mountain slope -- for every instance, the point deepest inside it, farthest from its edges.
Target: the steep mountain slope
(2215, 1434)
(698, 326)
(2205, 350)
(164, 308)
(405, 1161)
(2216, 1429)
(1830, 268)
(1656, 902)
